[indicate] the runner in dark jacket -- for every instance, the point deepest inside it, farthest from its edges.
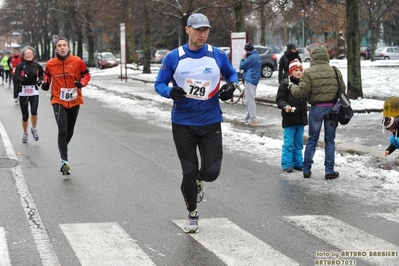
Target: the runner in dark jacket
(27, 77)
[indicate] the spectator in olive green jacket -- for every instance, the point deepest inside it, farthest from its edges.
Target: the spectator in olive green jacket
(320, 86)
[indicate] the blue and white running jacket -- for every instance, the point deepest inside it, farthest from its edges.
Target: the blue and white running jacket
(198, 73)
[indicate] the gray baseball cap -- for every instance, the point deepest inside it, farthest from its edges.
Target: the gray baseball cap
(198, 20)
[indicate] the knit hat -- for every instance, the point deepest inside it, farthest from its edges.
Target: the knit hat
(291, 46)
(59, 39)
(294, 64)
(389, 122)
(249, 47)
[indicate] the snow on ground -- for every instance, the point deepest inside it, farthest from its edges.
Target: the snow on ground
(360, 176)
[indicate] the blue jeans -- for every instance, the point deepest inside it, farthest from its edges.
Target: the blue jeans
(317, 116)
(291, 155)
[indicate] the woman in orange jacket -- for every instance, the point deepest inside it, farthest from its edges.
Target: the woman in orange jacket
(65, 75)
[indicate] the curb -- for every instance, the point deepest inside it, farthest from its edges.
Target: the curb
(352, 148)
(272, 101)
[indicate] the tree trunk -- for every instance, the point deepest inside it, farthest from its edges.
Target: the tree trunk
(263, 26)
(354, 86)
(90, 43)
(147, 38)
(240, 16)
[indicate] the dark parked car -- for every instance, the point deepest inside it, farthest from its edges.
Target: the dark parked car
(140, 56)
(364, 53)
(269, 60)
(106, 60)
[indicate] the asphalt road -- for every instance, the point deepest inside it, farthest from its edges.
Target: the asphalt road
(122, 204)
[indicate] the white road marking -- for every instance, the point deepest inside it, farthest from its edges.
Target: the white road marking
(36, 225)
(104, 244)
(235, 246)
(4, 254)
(345, 237)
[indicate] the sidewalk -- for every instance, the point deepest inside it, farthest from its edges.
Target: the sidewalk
(270, 120)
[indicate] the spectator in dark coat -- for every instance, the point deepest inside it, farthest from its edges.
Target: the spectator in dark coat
(290, 54)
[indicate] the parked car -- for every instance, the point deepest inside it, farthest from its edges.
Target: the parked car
(301, 52)
(276, 49)
(279, 55)
(226, 50)
(140, 57)
(159, 55)
(332, 48)
(106, 60)
(389, 52)
(333, 52)
(269, 60)
(85, 58)
(364, 53)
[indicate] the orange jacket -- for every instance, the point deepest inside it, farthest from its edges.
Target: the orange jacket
(61, 75)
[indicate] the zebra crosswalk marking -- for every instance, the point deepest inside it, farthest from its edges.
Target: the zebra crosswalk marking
(4, 254)
(104, 244)
(345, 237)
(235, 246)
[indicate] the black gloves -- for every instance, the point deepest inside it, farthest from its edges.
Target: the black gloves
(177, 93)
(78, 84)
(226, 91)
(39, 82)
(45, 86)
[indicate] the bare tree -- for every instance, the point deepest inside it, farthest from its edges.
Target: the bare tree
(373, 11)
(354, 85)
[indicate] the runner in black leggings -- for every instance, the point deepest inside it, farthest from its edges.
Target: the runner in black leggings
(27, 77)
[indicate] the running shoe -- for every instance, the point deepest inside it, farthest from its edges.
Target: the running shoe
(191, 226)
(65, 168)
(34, 134)
(201, 191)
(25, 137)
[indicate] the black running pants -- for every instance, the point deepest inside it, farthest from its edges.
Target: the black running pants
(208, 140)
(66, 120)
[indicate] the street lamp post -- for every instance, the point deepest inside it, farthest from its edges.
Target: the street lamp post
(303, 27)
